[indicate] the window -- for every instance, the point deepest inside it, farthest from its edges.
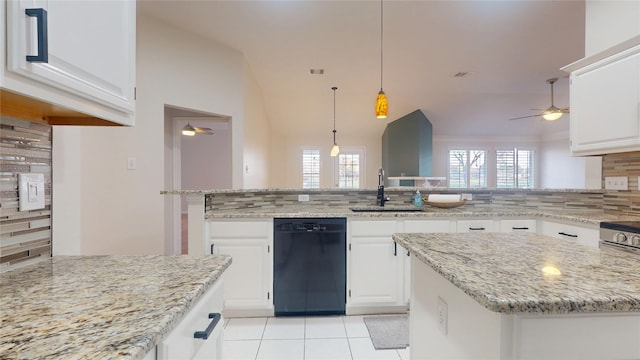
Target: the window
(348, 171)
(514, 169)
(310, 169)
(349, 167)
(467, 168)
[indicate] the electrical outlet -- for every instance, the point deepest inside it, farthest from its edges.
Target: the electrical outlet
(638, 182)
(303, 197)
(616, 183)
(466, 196)
(442, 315)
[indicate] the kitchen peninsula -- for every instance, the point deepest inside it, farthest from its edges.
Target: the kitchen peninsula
(524, 296)
(101, 307)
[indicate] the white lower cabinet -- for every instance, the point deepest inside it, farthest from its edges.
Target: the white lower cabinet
(249, 278)
(204, 319)
(581, 234)
(375, 267)
(518, 225)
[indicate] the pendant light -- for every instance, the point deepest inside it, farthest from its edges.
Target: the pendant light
(382, 107)
(335, 150)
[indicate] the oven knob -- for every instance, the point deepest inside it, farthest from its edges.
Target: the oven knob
(635, 240)
(621, 238)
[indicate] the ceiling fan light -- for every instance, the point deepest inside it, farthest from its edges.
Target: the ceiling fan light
(552, 115)
(188, 130)
(382, 107)
(335, 150)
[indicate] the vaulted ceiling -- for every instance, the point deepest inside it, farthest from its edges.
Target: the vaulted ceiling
(508, 48)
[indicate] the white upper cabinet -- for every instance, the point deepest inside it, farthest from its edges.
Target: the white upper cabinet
(605, 101)
(78, 54)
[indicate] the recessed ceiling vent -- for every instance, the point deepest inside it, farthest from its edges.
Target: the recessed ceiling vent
(461, 74)
(316, 71)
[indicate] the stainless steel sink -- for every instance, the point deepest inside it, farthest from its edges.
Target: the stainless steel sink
(386, 209)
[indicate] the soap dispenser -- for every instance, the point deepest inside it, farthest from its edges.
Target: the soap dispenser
(417, 199)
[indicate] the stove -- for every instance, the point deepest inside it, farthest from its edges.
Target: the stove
(623, 235)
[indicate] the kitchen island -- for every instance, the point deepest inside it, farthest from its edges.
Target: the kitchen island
(521, 296)
(99, 307)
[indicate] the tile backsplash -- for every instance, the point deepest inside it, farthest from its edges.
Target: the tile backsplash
(622, 201)
(25, 236)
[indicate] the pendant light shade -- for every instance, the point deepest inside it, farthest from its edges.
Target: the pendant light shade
(335, 150)
(382, 107)
(188, 130)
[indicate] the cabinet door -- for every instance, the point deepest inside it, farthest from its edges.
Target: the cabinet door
(91, 48)
(518, 225)
(583, 235)
(605, 105)
(248, 278)
(483, 225)
(375, 271)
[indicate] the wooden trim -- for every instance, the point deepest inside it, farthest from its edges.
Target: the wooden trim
(30, 109)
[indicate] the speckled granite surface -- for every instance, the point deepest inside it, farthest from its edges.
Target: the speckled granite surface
(503, 272)
(99, 307)
(588, 217)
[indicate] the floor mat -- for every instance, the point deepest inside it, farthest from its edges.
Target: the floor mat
(388, 331)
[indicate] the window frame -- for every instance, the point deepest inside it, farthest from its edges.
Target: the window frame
(302, 166)
(532, 168)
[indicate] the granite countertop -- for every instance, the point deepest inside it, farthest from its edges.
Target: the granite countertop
(587, 217)
(503, 272)
(99, 307)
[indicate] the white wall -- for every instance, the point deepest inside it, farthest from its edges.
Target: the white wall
(286, 170)
(559, 168)
(112, 210)
(609, 22)
(257, 139)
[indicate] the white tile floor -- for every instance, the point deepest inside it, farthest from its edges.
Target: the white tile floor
(301, 338)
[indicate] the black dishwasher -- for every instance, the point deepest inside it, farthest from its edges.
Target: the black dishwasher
(309, 266)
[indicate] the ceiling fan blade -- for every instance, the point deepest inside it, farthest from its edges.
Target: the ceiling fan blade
(525, 117)
(207, 131)
(564, 110)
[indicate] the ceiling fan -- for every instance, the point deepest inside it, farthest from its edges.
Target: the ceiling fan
(189, 130)
(552, 113)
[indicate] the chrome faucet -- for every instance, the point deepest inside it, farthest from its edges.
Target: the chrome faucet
(380, 198)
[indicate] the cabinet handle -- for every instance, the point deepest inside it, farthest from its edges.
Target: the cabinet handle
(519, 228)
(43, 39)
(476, 228)
(204, 335)
(395, 249)
(565, 234)
(212, 245)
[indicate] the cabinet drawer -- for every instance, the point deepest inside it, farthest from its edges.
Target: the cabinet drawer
(181, 344)
(429, 226)
(485, 225)
(380, 228)
(582, 235)
(514, 225)
(240, 229)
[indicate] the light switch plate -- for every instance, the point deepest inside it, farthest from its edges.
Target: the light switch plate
(616, 183)
(30, 191)
(303, 197)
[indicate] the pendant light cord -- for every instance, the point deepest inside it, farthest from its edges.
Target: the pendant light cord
(334, 114)
(381, 43)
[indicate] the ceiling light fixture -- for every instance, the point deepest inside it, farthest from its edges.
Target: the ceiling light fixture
(552, 113)
(335, 150)
(382, 107)
(188, 130)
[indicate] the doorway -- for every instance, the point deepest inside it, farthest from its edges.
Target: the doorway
(199, 162)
